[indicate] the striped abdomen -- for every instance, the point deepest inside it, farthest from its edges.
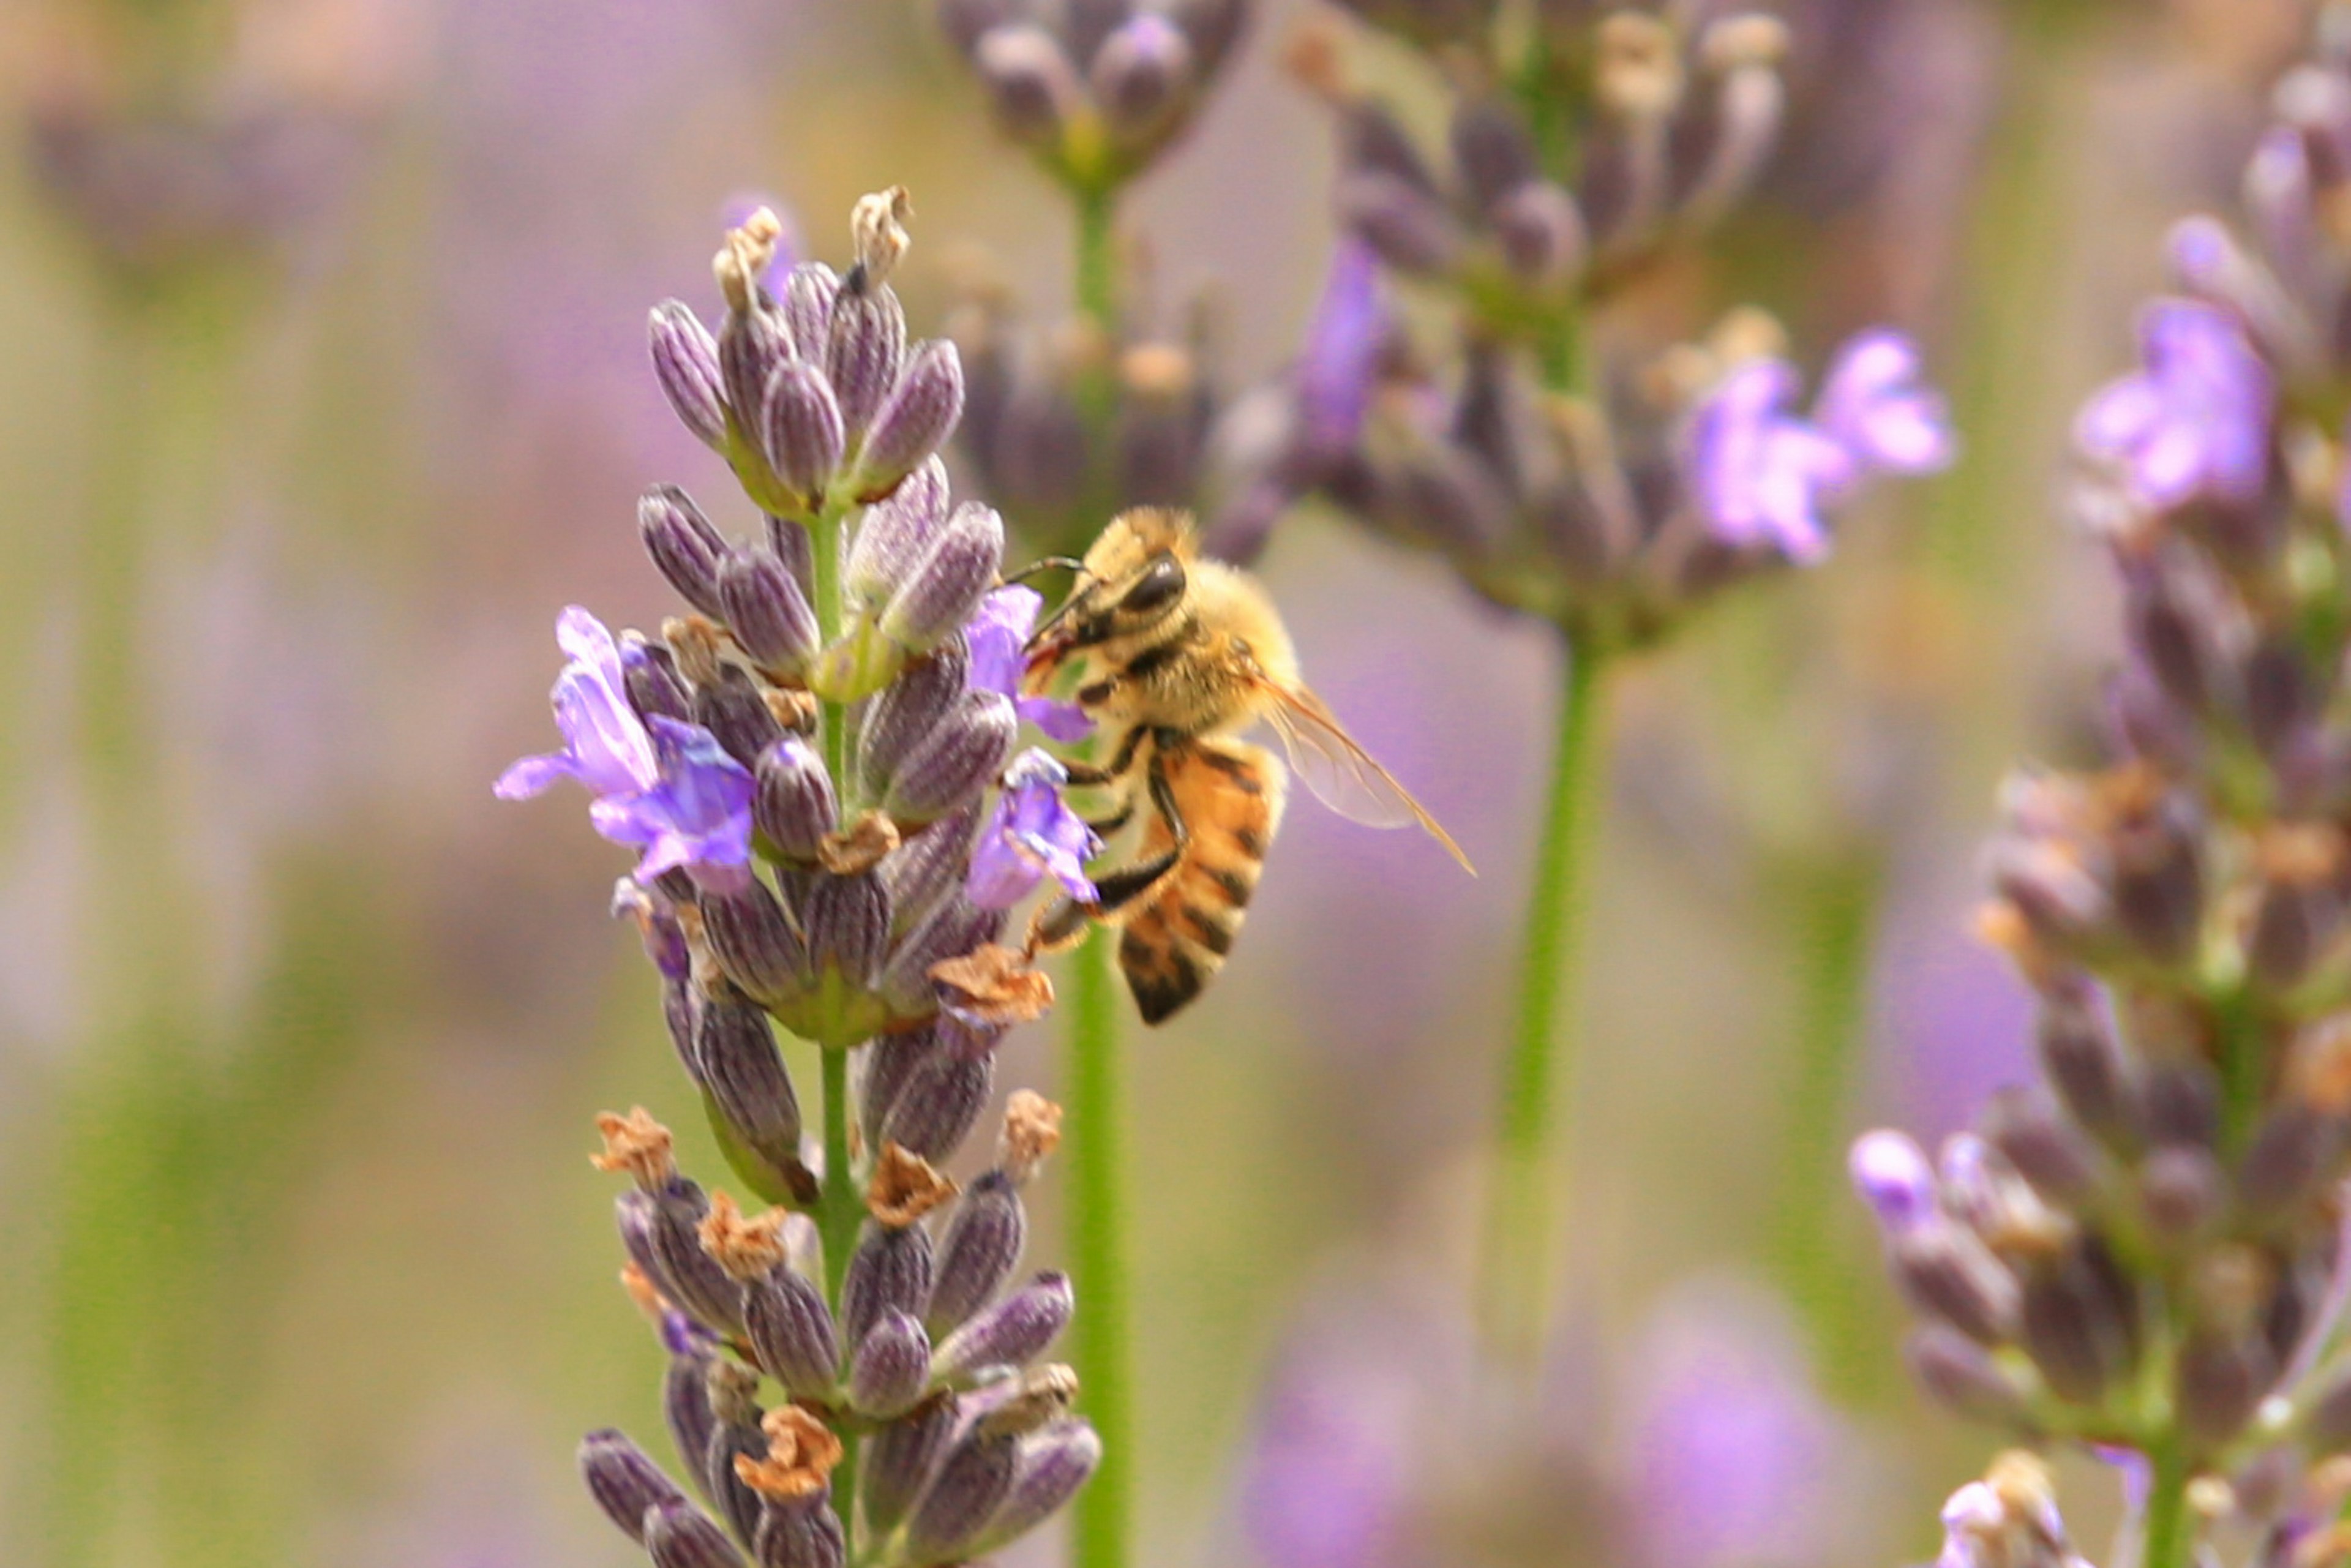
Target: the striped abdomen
(1230, 795)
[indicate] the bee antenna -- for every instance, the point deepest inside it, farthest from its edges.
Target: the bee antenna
(1051, 563)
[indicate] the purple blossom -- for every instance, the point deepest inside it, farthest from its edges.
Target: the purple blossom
(2194, 420)
(1891, 1173)
(667, 789)
(1029, 835)
(1765, 475)
(998, 637)
(1342, 353)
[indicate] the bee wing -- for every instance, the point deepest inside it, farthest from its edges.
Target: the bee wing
(1341, 773)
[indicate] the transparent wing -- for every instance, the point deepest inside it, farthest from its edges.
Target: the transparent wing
(1341, 773)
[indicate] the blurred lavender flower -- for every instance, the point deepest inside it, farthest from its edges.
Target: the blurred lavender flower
(1030, 834)
(2195, 421)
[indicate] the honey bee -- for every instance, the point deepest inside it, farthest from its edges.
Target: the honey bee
(1179, 655)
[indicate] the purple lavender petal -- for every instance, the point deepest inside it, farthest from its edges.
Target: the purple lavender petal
(697, 816)
(1873, 403)
(2194, 420)
(1030, 834)
(1891, 1173)
(998, 638)
(605, 744)
(1337, 366)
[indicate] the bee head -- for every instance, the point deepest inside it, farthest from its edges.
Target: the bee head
(1133, 579)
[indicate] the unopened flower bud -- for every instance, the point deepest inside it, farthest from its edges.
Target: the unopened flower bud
(849, 926)
(792, 1332)
(1013, 1332)
(960, 756)
(1409, 226)
(2085, 1063)
(693, 1277)
(904, 714)
(743, 1072)
(892, 1368)
(1491, 152)
(1947, 1272)
(752, 343)
(685, 363)
(894, 537)
(738, 714)
(920, 412)
(955, 928)
(940, 1103)
(623, 1480)
(651, 676)
(2220, 1382)
(767, 611)
(2079, 1321)
(889, 1270)
(1541, 233)
(801, 432)
(864, 352)
(1055, 1461)
(972, 1482)
(2179, 1105)
(2296, 1155)
(981, 1248)
(685, 549)
(758, 943)
(947, 585)
(1891, 1173)
(686, 1394)
(801, 1532)
(928, 863)
(1141, 74)
(734, 1390)
(2048, 1151)
(795, 807)
(680, 1535)
(2182, 1190)
(1030, 80)
(1961, 1374)
(899, 1459)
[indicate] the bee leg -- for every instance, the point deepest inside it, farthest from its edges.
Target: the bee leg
(1059, 923)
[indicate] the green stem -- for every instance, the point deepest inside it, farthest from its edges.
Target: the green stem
(824, 556)
(1518, 1246)
(2167, 1540)
(1834, 907)
(840, 1211)
(1097, 273)
(1094, 1089)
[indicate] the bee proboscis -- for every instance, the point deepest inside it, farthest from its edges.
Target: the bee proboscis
(1179, 655)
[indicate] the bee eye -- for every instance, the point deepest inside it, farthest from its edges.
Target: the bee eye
(1159, 585)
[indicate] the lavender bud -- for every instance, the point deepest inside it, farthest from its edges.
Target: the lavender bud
(685, 363)
(2179, 1103)
(1492, 153)
(1961, 1374)
(751, 344)
(920, 414)
(957, 760)
(956, 572)
(2085, 1063)
(1949, 1273)
(1054, 1463)
(1141, 76)
(1409, 226)
(1031, 82)
(1541, 233)
(2295, 1157)
(2220, 1382)
(1015, 1331)
(623, 1480)
(736, 712)
(685, 1398)
(894, 537)
(758, 943)
(864, 351)
(1891, 1173)
(972, 1483)
(805, 1533)
(743, 1072)
(685, 549)
(928, 864)
(890, 1272)
(736, 1502)
(2079, 1322)
(1376, 143)
(802, 432)
(790, 1330)
(891, 1369)
(649, 672)
(981, 1248)
(890, 1061)
(795, 807)
(940, 1103)
(2047, 1151)
(697, 1283)
(956, 927)
(898, 1462)
(849, 926)
(810, 290)
(2182, 1190)
(905, 713)
(680, 1535)
(768, 612)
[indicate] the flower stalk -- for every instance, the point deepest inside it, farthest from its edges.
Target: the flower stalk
(1094, 1091)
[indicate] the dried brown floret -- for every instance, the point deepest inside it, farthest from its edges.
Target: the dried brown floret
(997, 985)
(638, 1144)
(745, 1246)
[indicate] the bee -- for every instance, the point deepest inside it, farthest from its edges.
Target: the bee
(1177, 656)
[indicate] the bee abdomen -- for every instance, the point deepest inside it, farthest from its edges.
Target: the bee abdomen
(1230, 795)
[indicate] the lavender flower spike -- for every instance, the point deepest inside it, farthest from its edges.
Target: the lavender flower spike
(1029, 835)
(667, 789)
(998, 638)
(2195, 420)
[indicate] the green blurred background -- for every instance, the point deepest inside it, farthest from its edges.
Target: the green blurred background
(323, 390)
